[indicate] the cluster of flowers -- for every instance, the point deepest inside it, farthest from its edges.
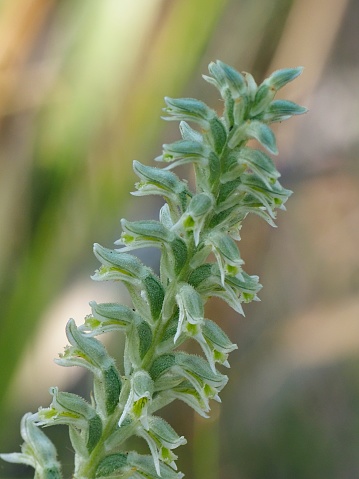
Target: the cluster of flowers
(197, 233)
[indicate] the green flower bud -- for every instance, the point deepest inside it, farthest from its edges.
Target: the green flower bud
(279, 78)
(118, 266)
(264, 95)
(145, 233)
(75, 412)
(37, 451)
(189, 133)
(263, 134)
(84, 351)
(189, 109)
(218, 78)
(212, 285)
(135, 275)
(89, 353)
(234, 80)
(139, 234)
(133, 465)
(280, 110)
(251, 85)
(185, 150)
(158, 181)
(108, 317)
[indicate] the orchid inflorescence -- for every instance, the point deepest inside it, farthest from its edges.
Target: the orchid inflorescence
(197, 234)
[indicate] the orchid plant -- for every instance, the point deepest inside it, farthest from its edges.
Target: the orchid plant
(197, 233)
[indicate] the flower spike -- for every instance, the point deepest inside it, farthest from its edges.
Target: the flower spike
(198, 234)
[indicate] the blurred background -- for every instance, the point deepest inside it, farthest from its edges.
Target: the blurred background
(81, 90)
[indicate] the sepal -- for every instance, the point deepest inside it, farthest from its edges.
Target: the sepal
(258, 131)
(183, 391)
(235, 290)
(191, 309)
(247, 286)
(250, 194)
(240, 109)
(214, 343)
(255, 160)
(168, 371)
(154, 294)
(161, 439)
(196, 214)
(140, 395)
(226, 253)
(166, 216)
(218, 342)
(232, 215)
(271, 196)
